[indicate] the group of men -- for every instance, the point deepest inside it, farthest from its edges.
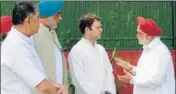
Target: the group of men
(33, 62)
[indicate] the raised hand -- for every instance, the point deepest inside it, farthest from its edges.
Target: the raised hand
(124, 64)
(59, 88)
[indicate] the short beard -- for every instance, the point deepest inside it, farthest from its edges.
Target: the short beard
(51, 24)
(144, 41)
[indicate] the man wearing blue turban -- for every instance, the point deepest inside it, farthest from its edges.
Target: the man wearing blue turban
(47, 44)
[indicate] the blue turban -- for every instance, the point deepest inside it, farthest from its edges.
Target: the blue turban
(49, 8)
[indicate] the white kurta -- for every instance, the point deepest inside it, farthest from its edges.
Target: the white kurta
(154, 71)
(21, 68)
(59, 66)
(90, 68)
(58, 57)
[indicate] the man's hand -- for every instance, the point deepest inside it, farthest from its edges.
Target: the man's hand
(124, 64)
(46, 87)
(125, 78)
(60, 88)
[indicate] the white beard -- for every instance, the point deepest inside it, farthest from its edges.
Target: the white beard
(52, 23)
(54, 27)
(143, 42)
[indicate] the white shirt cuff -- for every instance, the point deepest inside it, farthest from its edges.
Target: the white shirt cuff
(132, 80)
(133, 71)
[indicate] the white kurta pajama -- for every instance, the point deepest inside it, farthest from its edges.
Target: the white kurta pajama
(21, 68)
(154, 73)
(90, 68)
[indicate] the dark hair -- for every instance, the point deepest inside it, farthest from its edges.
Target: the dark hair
(21, 11)
(87, 21)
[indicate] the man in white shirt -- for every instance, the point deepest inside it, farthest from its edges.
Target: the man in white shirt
(90, 68)
(154, 73)
(21, 69)
(47, 44)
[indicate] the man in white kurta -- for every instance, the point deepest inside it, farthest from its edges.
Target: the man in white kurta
(154, 73)
(90, 68)
(21, 68)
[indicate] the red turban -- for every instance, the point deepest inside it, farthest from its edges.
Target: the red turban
(6, 24)
(149, 26)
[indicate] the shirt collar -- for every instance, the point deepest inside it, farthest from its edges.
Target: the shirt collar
(152, 44)
(87, 41)
(22, 36)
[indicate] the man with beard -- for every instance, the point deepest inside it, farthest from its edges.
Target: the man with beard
(47, 44)
(154, 73)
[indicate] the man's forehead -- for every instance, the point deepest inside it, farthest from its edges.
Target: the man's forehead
(138, 29)
(96, 23)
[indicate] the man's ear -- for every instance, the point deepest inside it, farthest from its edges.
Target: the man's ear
(87, 29)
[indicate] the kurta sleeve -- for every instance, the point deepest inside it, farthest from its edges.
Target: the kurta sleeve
(158, 67)
(110, 82)
(78, 75)
(24, 65)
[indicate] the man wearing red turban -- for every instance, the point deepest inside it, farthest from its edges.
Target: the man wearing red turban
(154, 73)
(6, 24)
